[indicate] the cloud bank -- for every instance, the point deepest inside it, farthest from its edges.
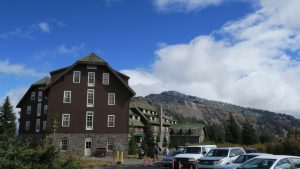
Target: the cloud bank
(255, 63)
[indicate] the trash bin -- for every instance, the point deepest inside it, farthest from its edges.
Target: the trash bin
(100, 152)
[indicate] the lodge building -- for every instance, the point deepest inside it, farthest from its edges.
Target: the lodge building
(82, 107)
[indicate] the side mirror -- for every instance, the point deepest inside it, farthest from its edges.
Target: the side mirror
(232, 155)
(204, 152)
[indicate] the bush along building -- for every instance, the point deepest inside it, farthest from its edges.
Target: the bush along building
(84, 107)
(160, 123)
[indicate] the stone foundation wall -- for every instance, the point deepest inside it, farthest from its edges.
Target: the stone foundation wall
(76, 142)
(33, 139)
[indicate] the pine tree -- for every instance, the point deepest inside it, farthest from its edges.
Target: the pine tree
(149, 139)
(7, 119)
(215, 133)
(232, 131)
(132, 143)
(249, 134)
(165, 142)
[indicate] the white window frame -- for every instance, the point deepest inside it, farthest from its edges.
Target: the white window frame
(45, 109)
(113, 120)
(64, 141)
(44, 124)
(105, 78)
(90, 91)
(109, 141)
(91, 84)
(28, 110)
(38, 125)
(89, 114)
(74, 76)
(27, 125)
(111, 99)
(40, 96)
(39, 109)
(68, 120)
(64, 99)
(32, 97)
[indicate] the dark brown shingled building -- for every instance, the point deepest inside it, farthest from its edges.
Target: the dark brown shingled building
(86, 106)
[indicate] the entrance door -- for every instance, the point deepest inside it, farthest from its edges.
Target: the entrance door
(88, 147)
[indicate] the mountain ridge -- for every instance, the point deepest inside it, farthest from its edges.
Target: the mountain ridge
(196, 109)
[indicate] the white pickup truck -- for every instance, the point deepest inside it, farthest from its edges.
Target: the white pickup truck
(191, 155)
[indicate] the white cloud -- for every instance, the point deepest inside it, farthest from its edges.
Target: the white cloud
(72, 50)
(255, 64)
(6, 67)
(44, 27)
(184, 5)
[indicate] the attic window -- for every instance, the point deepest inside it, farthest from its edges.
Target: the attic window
(91, 67)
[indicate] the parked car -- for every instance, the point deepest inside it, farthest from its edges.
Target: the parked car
(251, 150)
(241, 159)
(191, 155)
(167, 160)
(272, 162)
(217, 158)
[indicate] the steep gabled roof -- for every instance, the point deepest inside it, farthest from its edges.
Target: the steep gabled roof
(41, 82)
(91, 58)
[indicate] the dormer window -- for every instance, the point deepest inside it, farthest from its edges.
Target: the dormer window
(76, 77)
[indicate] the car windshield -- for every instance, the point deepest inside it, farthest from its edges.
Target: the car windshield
(257, 163)
(243, 158)
(175, 153)
(217, 153)
(193, 150)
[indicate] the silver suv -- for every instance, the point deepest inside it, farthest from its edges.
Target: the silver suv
(218, 157)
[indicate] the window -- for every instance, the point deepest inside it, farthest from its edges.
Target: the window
(33, 96)
(67, 97)
(91, 67)
(45, 109)
(40, 97)
(90, 98)
(28, 109)
(27, 125)
(105, 78)
(64, 144)
(111, 98)
(44, 125)
(110, 144)
(91, 79)
(111, 121)
(39, 108)
(38, 125)
(76, 77)
(284, 164)
(295, 161)
(65, 120)
(89, 120)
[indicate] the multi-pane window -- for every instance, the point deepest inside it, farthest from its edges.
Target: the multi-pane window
(44, 124)
(111, 121)
(64, 144)
(39, 109)
(67, 97)
(91, 79)
(28, 109)
(40, 96)
(32, 96)
(27, 125)
(110, 144)
(90, 98)
(89, 120)
(76, 77)
(111, 98)
(38, 125)
(105, 78)
(45, 109)
(65, 120)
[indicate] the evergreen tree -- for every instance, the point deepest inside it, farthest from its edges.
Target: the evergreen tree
(249, 134)
(157, 138)
(149, 139)
(215, 133)
(165, 142)
(132, 143)
(232, 131)
(266, 136)
(7, 119)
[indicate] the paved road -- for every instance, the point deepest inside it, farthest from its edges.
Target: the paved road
(155, 166)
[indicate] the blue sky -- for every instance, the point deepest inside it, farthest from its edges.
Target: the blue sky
(151, 40)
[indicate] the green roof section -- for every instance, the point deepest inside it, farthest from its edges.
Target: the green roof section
(187, 126)
(44, 80)
(92, 57)
(192, 129)
(135, 123)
